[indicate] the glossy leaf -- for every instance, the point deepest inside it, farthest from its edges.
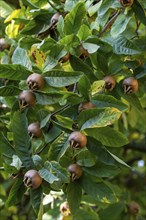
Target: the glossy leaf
(36, 196)
(6, 91)
(14, 72)
(58, 78)
(22, 139)
(74, 194)
(93, 118)
(5, 147)
(107, 136)
(73, 20)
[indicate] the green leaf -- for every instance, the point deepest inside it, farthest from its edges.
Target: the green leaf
(58, 147)
(103, 101)
(14, 72)
(122, 45)
(6, 91)
(48, 98)
(57, 78)
(64, 122)
(73, 19)
(106, 4)
(113, 211)
(6, 10)
(5, 147)
(21, 139)
(61, 173)
(78, 65)
(99, 191)
(84, 32)
(120, 24)
(118, 159)
(139, 11)
(20, 56)
(86, 214)
(84, 87)
(16, 162)
(102, 170)
(107, 136)
(90, 47)
(74, 194)
(86, 159)
(93, 118)
(36, 196)
(70, 41)
(47, 175)
(16, 193)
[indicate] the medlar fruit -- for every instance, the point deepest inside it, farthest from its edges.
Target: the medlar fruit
(109, 83)
(130, 85)
(126, 3)
(85, 105)
(64, 209)
(77, 140)
(75, 171)
(35, 81)
(84, 52)
(65, 58)
(55, 18)
(34, 130)
(32, 179)
(26, 98)
(133, 208)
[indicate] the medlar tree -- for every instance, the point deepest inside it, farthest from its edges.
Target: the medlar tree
(72, 103)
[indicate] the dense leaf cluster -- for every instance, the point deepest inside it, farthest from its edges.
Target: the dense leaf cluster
(73, 46)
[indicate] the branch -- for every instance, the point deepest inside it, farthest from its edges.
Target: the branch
(109, 23)
(137, 147)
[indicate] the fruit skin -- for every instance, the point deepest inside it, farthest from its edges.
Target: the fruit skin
(34, 130)
(109, 83)
(55, 18)
(85, 105)
(65, 58)
(35, 81)
(126, 3)
(77, 140)
(26, 98)
(64, 209)
(75, 171)
(84, 52)
(32, 179)
(133, 208)
(130, 85)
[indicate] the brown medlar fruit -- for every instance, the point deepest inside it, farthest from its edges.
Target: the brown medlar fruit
(77, 140)
(55, 18)
(83, 51)
(133, 208)
(35, 81)
(26, 99)
(109, 83)
(130, 85)
(85, 105)
(3, 44)
(32, 179)
(34, 130)
(65, 58)
(64, 209)
(126, 3)
(75, 171)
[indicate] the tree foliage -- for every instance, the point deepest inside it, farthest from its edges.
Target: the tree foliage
(74, 46)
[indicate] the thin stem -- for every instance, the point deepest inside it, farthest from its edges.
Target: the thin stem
(110, 22)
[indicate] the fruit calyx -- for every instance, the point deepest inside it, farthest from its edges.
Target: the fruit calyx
(77, 140)
(32, 179)
(109, 83)
(75, 171)
(26, 98)
(34, 130)
(130, 85)
(35, 81)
